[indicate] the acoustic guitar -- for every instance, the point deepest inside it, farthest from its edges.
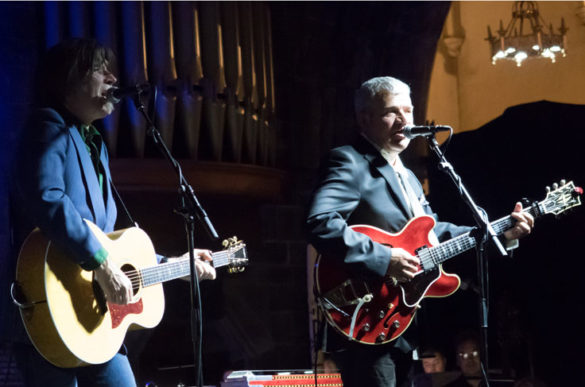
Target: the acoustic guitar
(64, 311)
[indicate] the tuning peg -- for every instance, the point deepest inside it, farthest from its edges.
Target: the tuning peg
(547, 189)
(555, 186)
(563, 181)
(229, 242)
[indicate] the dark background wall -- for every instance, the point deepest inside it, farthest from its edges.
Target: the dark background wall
(258, 319)
(513, 157)
(325, 51)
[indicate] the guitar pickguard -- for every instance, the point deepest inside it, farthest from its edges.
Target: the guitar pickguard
(413, 291)
(119, 312)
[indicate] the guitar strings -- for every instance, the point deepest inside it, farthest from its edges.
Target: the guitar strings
(443, 251)
(137, 277)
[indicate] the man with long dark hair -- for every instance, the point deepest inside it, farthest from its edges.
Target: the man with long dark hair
(62, 177)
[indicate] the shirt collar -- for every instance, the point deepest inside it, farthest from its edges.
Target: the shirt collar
(88, 131)
(398, 166)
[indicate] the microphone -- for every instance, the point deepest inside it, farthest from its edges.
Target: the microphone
(412, 131)
(115, 94)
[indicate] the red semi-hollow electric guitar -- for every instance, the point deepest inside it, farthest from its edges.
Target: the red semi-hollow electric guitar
(377, 312)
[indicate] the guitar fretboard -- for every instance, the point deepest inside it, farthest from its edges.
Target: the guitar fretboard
(179, 268)
(433, 256)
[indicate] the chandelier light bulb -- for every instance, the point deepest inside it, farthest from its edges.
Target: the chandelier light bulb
(520, 57)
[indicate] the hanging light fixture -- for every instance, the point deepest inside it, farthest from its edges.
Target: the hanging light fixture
(514, 43)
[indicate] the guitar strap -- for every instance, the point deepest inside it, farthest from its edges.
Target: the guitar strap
(123, 204)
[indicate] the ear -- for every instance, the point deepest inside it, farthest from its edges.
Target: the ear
(363, 119)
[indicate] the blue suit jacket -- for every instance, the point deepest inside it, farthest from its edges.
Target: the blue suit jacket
(57, 186)
(360, 187)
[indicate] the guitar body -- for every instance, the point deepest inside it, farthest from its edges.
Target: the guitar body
(391, 307)
(65, 315)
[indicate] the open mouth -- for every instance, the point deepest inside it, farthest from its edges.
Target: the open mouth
(399, 130)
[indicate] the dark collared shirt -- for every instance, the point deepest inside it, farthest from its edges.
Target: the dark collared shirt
(93, 141)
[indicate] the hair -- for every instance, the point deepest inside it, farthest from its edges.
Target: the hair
(371, 89)
(68, 63)
(465, 336)
(430, 351)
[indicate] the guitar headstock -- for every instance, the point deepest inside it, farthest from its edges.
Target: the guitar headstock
(236, 249)
(561, 197)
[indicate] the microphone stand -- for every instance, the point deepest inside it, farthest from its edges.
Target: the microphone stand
(190, 208)
(485, 233)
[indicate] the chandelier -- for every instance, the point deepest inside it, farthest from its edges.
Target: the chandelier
(514, 43)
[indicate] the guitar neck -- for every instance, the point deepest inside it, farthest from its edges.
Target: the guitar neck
(178, 268)
(433, 256)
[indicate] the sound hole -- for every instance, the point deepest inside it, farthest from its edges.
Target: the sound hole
(134, 277)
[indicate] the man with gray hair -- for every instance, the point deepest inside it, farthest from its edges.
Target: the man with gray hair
(366, 183)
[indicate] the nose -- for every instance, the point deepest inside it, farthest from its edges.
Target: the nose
(110, 78)
(401, 117)
(405, 117)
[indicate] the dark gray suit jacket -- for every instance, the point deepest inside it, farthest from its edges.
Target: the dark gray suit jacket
(360, 187)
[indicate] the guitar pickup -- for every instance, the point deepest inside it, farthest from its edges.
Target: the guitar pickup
(425, 261)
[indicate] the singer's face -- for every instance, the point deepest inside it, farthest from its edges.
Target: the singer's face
(384, 120)
(88, 101)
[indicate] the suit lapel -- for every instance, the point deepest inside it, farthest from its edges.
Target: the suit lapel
(90, 178)
(377, 161)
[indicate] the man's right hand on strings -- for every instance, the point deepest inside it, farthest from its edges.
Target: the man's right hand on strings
(114, 283)
(402, 265)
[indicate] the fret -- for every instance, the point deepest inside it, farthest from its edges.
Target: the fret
(446, 250)
(556, 202)
(180, 268)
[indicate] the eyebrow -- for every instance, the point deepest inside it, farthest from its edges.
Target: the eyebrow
(394, 107)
